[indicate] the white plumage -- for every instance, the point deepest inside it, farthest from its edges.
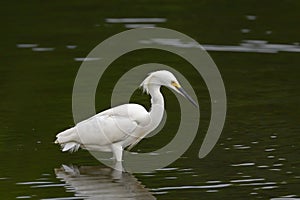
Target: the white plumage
(123, 126)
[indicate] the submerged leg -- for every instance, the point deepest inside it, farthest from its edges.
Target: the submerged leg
(117, 151)
(117, 172)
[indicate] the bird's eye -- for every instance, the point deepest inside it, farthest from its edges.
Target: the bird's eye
(175, 84)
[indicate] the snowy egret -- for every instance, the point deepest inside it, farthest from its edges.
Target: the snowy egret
(123, 126)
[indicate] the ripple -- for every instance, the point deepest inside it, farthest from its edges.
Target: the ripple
(148, 175)
(273, 136)
(275, 169)
(42, 49)
(139, 25)
(193, 187)
(263, 166)
(135, 20)
(167, 169)
(49, 185)
(247, 180)
(258, 184)
(271, 157)
(185, 169)
(63, 198)
(159, 193)
(269, 187)
(251, 17)
(27, 45)
(243, 164)
(241, 147)
(268, 32)
(171, 178)
(245, 30)
(86, 59)
(41, 184)
(71, 46)
(213, 181)
(33, 183)
(23, 197)
(269, 150)
(153, 154)
(277, 165)
(246, 176)
(258, 46)
(212, 191)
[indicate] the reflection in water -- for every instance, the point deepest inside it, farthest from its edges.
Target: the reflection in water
(136, 22)
(139, 25)
(258, 46)
(86, 59)
(43, 49)
(27, 45)
(251, 17)
(71, 46)
(96, 182)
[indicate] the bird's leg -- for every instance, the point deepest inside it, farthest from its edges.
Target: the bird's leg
(117, 170)
(117, 151)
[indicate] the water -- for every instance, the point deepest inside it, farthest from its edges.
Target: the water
(256, 47)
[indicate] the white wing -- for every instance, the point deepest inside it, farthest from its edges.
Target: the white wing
(108, 127)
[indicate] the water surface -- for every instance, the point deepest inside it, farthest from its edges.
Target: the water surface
(256, 47)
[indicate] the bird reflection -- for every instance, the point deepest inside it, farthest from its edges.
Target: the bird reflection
(98, 182)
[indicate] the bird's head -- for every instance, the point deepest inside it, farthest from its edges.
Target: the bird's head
(165, 78)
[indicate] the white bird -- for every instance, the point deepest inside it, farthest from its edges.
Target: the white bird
(123, 126)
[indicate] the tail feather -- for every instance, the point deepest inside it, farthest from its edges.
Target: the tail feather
(66, 136)
(71, 146)
(68, 140)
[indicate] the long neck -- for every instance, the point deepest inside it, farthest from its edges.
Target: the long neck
(157, 106)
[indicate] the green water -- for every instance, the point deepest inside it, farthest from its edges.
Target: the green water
(257, 156)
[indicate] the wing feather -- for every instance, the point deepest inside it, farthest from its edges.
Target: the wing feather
(121, 123)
